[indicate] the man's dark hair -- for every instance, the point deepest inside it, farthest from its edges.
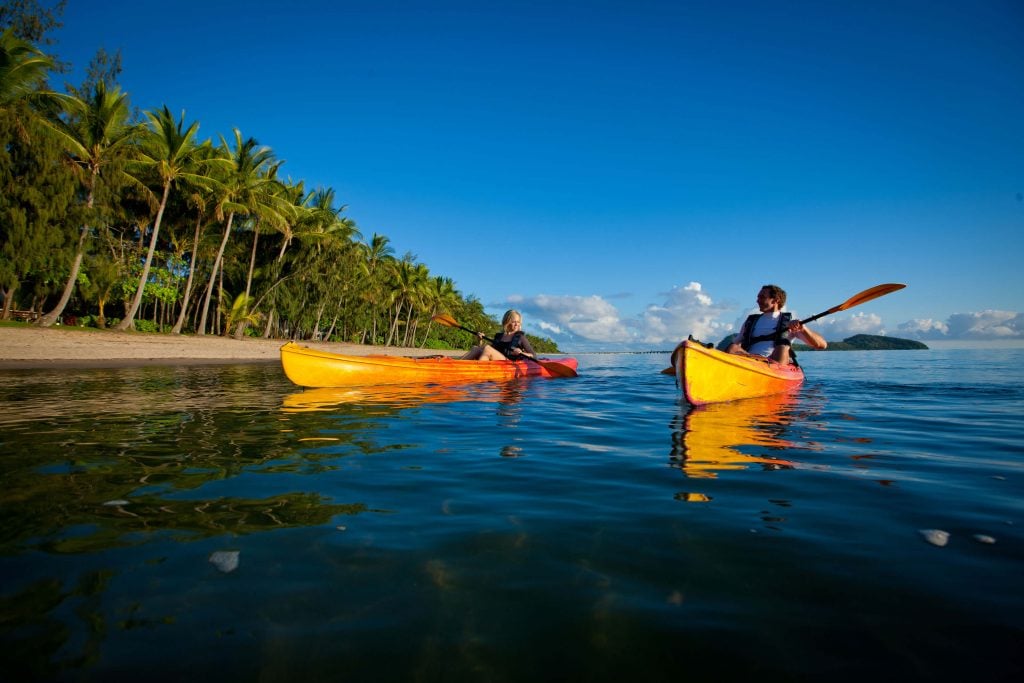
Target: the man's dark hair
(777, 293)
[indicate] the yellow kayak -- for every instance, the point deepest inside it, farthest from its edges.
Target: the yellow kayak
(711, 376)
(311, 368)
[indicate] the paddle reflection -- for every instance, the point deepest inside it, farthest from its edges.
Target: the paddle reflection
(719, 437)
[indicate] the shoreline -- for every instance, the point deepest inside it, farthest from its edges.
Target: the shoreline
(39, 348)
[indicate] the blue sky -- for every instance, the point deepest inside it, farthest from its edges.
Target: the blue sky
(627, 173)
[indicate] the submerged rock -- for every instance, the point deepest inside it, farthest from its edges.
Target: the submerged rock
(225, 560)
(936, 536)
(982, 538)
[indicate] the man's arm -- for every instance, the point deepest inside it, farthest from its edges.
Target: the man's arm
(807, 335)
(736, 346)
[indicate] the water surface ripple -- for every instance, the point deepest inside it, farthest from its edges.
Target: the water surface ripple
(219, 523)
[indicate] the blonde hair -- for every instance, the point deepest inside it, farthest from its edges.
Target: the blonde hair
(507, 318)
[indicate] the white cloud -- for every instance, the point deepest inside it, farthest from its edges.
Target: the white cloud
(593, 323)
(924, 328)
(987, 325)
(588, 317)
(843, 327)
(686, 310)
(983, 325)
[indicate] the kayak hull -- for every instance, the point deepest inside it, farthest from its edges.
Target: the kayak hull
(712, 376)
(312, 368)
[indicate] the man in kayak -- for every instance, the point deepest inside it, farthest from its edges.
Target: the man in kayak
(770, 332)
(509, 344)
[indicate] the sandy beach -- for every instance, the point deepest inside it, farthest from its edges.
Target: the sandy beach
(55, 347)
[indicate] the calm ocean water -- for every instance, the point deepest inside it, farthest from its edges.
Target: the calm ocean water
(217, 523)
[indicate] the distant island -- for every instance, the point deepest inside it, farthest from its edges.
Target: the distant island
(858, 342)
(869, 342)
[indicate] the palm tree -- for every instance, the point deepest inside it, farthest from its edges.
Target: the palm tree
(245, 181)
(325, 218)
(97, 133)
(23, 70)
(199, 198)
(377, 255)
(295, 209)
(441, 295)
(417, 302)
(408, 278)
(332, 235)
(271, 206)
(292, 201)
(168, 152)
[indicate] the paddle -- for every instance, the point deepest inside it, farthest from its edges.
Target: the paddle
(855, 300)
(554, 368)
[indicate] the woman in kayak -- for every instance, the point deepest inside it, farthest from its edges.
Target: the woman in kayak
(509, 344)
(770, 332)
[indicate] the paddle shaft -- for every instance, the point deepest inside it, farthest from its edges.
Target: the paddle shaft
(474, 332)
(815, 317)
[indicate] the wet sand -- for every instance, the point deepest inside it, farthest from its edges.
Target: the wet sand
(55, 347)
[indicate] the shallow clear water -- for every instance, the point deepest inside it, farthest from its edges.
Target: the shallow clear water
(588, 529)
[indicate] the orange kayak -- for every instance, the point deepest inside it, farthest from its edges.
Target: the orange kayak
(711, 376)
(311, 368)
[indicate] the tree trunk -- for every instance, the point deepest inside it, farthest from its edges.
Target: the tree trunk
(394, 325)
(240, 329)
(410, 329)
(218, 319)
(129, 318)
(270, 321)
(201, 329)
(69, 287)
(51, 317)
(8, 302)
(180, 322)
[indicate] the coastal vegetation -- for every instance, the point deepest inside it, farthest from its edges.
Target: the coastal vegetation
(113, 218)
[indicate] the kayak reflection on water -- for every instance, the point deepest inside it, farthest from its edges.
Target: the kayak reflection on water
(712, 438)
(389, 398)
(401, 396)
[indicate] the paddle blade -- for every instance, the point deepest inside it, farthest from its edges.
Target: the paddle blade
(858, 299)
(869, 294)
(445, 320)
(557, 369)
